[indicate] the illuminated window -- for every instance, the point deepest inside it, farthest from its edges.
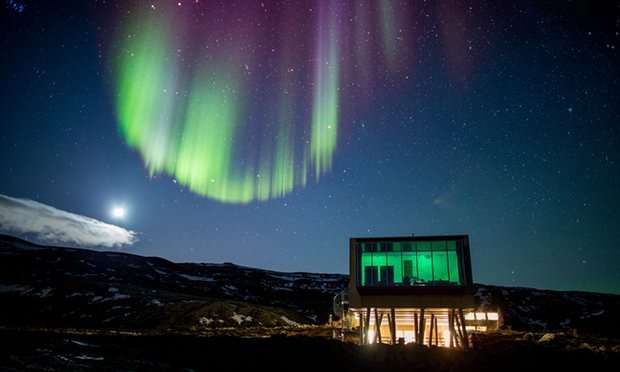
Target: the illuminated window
(482, 316)
(415, 263)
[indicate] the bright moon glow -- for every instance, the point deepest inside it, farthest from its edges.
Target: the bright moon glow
(118, 212)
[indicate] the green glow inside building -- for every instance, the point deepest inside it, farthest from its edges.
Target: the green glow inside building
(411, 263)
(422, 285)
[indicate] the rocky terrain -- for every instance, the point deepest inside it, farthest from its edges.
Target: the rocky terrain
(74, 309)
(78, 288)
(507, 351)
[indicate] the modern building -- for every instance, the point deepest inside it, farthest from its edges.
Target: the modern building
(413, 289)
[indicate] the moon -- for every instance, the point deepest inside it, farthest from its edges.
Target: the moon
(118, 212)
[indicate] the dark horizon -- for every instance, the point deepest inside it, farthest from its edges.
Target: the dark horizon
(4, 237)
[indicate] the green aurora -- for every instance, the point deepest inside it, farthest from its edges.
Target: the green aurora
(196, 137)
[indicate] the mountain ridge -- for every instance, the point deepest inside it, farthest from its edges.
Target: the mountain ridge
(45, 286)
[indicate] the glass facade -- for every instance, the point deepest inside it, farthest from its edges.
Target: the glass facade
(410, 263)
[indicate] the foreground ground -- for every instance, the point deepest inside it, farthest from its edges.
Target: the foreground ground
(62, 350)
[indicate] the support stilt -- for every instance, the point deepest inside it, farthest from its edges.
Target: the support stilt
(457, 327)
(422, 327)
(361, 328)
(451, 326)
(389, 318)
(436, 333)
(462, 319)
(367, 326)
(416, 328)
(430, 334)
(393, 326)
(378, 319)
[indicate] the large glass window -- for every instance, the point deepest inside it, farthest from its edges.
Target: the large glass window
(417, 263)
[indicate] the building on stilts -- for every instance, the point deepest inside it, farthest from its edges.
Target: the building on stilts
(413, 290)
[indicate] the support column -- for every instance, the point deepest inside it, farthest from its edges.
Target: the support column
(378, 320)
(393, 326)
(459, 330)
(389, 318)
(422, 327)
(430, 334)
(415, 328)
(462, 319)
(361, 328)
(451, 326)
(367, 326)
(436, 333)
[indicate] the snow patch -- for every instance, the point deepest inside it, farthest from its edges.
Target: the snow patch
(15, 288)
(281, 288)
(197, 278)
(45, 292)
(241, 318)
(81, 343)
(593, 314)
(205, 321)
(288, 321)
(78, 294)
(230, 288)
(525, 308)
(113, 289)
(88, 263)
(287, 277)
(117, 296)
(88, 357)
(156, 302)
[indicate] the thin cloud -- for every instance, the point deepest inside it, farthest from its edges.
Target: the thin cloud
(52, 226)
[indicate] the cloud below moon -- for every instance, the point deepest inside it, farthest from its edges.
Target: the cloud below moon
(52, 226)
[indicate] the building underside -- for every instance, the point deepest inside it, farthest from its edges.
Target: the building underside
(445, 327)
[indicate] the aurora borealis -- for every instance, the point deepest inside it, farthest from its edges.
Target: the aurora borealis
(205, 123)
(267, 133)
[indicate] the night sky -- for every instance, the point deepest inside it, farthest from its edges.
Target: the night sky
(268, 133)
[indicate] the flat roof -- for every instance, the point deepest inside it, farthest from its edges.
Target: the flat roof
(411, 238)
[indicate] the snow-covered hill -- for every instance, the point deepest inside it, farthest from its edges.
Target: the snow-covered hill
(65, 287)
(537, 310)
